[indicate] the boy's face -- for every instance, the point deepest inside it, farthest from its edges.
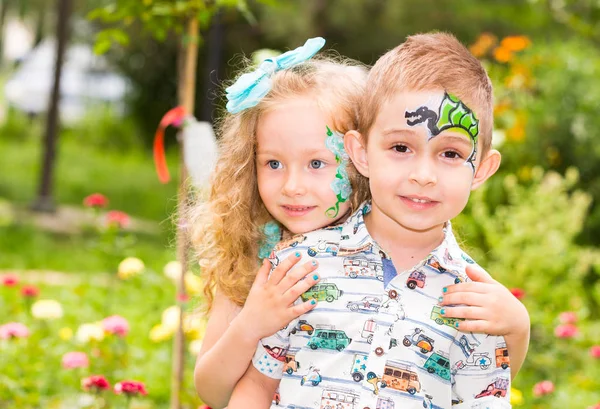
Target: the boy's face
(420, 158)
(295, 168)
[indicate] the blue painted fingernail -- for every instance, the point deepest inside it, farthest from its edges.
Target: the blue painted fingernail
(445, 289)
(314, 263)
(456, 325)
(313, 302)
(442, 311)
(297, 254)
(441, 299)
(315, 277)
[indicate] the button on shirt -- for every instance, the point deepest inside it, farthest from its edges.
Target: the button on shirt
(377, 339)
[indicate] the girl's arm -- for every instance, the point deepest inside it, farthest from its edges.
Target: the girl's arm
(490, 308)
(233, 335)
(253, 391)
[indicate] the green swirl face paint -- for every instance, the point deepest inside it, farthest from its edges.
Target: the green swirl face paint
(452, 114)
(341, 184)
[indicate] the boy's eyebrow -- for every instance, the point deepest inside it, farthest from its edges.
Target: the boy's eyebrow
(456, 137)
(401, 131)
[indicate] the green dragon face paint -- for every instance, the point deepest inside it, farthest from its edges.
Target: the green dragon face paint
(341, 184)
(452, 114)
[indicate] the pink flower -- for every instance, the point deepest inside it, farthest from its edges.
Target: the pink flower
(596, 406)
(130, 388)
(95, 383)
(543, 388)
(72, 360)
(95, 200)
(117, 218)
(9, 280)
(518, 292)
(566, 331)
(595, 351)
(115, 324)
(568, 317)
(30, 291)
(13, 330)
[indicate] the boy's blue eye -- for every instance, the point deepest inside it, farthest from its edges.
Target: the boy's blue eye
(317, 164)
(274, 164)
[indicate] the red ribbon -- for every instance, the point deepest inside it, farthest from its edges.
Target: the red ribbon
(174, 116)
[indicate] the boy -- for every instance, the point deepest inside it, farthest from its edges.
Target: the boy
(379, 337)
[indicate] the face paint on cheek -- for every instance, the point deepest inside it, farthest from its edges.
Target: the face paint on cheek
(341, 184)
(451, 114)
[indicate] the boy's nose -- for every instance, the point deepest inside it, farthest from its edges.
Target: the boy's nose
(423, 173)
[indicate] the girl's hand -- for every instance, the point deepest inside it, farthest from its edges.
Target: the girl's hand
(489, 307)
(270, 303)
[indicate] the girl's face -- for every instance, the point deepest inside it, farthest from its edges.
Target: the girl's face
(295, 169)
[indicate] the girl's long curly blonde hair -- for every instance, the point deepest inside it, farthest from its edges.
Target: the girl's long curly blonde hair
(227, 229)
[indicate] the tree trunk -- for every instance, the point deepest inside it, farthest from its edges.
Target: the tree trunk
(187, 94)
(213, 65)
(45, 200)
(40, 27)
(3, 10)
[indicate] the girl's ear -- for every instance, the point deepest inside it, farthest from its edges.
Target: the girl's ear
(356, 149)
(488, 166)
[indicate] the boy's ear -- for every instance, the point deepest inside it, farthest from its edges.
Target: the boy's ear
(488, 166)
(355, 148)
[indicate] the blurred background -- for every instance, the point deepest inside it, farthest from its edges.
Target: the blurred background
(87, 243)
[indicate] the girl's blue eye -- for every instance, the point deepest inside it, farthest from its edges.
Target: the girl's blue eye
(274, 164)
(400, 148)
(316, 164)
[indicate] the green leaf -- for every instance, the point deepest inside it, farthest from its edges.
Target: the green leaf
(102, 46)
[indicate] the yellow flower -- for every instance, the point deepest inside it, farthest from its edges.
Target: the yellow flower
(160, 333)
(483, 44)
(515, 43)
(170, 318)
(194, 326)
(130, 267)
(65, 333)
(516, 397)
(502, 54)
(90, 332)
(173, 270)
(194, 347)
(524, 173)
(46, 310)
(193, 284)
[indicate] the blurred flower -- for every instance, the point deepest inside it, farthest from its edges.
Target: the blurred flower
(543, 388)
(183, 297)
(595, 351)
(72, 360)
(170, 318)
(524, 173)
(65, 333)
(117, 218)
(9, 280)
(502, 54)
(96, 383)
(90, 332)
(194, 326)
(95, 200)
(204, 407)
(518, 292)
(515, 43)
(516, 397)
(30, 291)
(46, 310)
(516, 133)
(117, 325)
(596, 406)
(13, 330)
(130, 267)
(172, 270)
(195, 346)
(193, 283)
(130, 388)
(567, 317)
(160, 333)
(566, 331)
(483, 44)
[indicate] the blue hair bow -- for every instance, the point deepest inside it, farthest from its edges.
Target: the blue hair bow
(251, 87)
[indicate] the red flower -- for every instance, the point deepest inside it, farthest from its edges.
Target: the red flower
(95, 200)
(566, 331)
(117, 218)
(543, 388)
(95, 383)
(9, 280)
(183, 297)
(518, 292)
(131, 388)
(115, 324)
(72, 360)
(30, 291)
(595, 351)
(567, 317)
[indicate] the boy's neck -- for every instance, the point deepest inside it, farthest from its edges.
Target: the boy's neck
(406, 247)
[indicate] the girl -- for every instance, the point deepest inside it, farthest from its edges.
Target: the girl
(282, 165)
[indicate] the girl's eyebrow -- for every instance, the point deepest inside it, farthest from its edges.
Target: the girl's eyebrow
(307, 151)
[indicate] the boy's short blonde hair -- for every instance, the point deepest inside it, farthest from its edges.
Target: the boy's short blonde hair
(424, 62)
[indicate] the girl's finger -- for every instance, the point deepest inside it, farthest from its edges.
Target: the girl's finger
(470, 286)
(478, 274)
(262, 275)
(296, 275)
(479, 326)
(282, 269)
(469, 313)
(303, 308)
(465, 298)
(301, 287)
